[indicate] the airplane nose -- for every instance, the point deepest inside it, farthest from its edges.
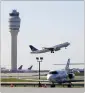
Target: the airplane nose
(49, 77)
(68, 43)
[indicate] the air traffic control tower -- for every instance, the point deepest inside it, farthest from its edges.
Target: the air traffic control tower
(14, 25)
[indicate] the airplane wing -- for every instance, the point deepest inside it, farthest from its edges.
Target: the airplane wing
(49, 48)
(79, 80)
(52, 49)
(71, 64)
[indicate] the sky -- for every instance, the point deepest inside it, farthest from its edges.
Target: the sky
(44, 24)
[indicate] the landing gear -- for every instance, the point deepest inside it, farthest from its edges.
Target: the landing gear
(69, 85)
(52, 51)
(52, 85)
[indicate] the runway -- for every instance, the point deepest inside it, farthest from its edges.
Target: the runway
(19, 75)
(43, 84)
(27, 75)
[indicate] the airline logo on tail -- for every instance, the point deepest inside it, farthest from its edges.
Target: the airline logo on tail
(20, 67)
(33, 48)
(30, 67)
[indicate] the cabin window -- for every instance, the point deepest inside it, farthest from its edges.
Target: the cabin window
(53, 72)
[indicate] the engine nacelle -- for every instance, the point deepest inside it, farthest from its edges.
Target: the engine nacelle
(71, 75)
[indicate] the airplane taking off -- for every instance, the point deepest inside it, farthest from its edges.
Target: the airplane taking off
(62, 76)
(51, 49)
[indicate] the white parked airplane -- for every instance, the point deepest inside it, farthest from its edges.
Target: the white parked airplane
(62, 76)
(52, 49)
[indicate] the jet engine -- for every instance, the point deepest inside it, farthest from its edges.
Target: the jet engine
(71, 75)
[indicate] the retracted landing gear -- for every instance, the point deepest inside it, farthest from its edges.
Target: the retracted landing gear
(69, 85)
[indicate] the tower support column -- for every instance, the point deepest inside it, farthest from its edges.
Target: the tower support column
(14, 50)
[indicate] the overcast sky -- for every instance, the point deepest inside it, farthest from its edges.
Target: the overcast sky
(44, 24)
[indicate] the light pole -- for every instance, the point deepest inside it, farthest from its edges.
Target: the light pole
(39, 59)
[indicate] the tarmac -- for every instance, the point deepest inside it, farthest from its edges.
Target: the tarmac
(41, 90)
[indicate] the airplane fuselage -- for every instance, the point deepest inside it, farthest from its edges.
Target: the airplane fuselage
(57, 76)
(52, 49)
(40, 51)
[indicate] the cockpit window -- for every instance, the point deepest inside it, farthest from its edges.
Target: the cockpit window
(53, 72)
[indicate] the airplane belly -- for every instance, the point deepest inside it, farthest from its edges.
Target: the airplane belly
(40, 51)
(57, 49)
(43, 51)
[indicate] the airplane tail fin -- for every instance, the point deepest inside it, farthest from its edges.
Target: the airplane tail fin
(67, 65)
(33, 48)
(20, 67)
(30, 67)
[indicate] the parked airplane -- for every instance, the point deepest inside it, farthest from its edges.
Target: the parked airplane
(20, 68)
(30, 67)
(24, 70)
(45, 49)
(3, 70)
(62, 76)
